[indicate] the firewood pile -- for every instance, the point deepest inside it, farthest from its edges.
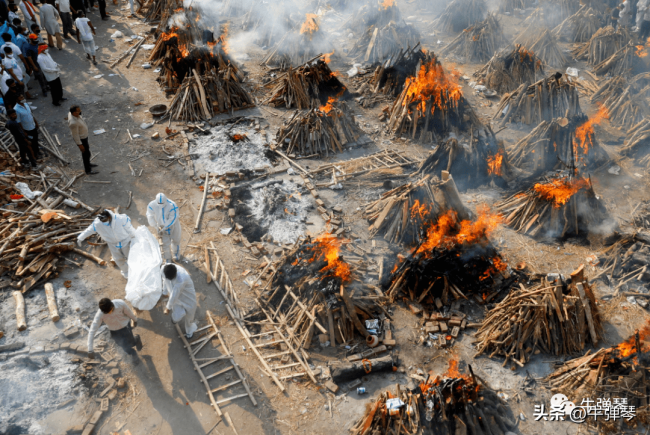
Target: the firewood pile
(626, 101)
(556, 206)
(387, 78)
(155, 10)
(637, 143)
(557, 318)
(298, 46)
(603, 44)
(544, 100)
(321, 131)
(626, 261)
(509, 6)
(430, 103)
(579, 27)
(554, 12)
(369, 15)
(460, 14)
(303, 86)
(622, 62)
(479, 42)
(378, 43)
(559, 144)
(544, 45)
(202, 97)
(509, 69)
(616, 372)
(391, 414)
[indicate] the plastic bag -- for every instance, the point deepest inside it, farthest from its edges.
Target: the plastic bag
(26, 191)
(144, 287)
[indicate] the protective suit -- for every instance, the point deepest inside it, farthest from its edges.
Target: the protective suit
(640, 12)
(163, 215)
(117, 234)
(182, 298)
(625, 16)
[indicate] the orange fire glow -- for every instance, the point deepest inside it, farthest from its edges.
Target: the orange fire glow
(387, 4)
(448, 232)
(183, 50)
(166, 36)
(310, 26)
(498, 265)
(560, 190)
(642, 50)
(223, 39)
(494, 164)
(328, 245)
(584, 136)
(327, 57)
(327, 108)
(628, 347)
(420, 210)
(432, 83)
(238, 137)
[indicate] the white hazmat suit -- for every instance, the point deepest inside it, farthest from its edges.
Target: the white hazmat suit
(117, 234)
(162, 214)
(182, 298)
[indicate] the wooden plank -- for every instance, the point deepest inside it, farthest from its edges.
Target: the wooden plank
(587, 306)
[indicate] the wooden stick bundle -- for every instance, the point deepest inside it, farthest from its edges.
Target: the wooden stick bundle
(620, 63)
(378, 44)
(579, 27)
(602, 44)
(544, 45)
(479, 42)
(460, 14)
(626, 101)
(509, 69)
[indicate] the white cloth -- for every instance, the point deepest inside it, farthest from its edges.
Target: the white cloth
(51, 69)
(115, 320)
(50, 19)
(121, 256)
(118, 232)
(182, 297)
(16, 49)
(640, 9)
(162, 214)
(64, 5)
(25, 7)
(85, 32)
(3, 82)
(14, 66)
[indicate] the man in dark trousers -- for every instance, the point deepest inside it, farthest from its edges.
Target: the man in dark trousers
(117, 315)
(11, 96)
(29, 124)
(31, 54)
(24, 144)
(79, 131)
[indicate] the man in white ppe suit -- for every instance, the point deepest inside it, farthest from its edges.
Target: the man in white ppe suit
(178, 285)
(117, 232)
(163, 215)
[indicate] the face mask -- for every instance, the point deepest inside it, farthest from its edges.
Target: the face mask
(10, 56)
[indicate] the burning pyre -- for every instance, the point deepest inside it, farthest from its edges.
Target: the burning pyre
(377, 15)
(509, 69)
(557, 206)
(378, 44)
(479, 42)
(544, 44)
(558, 318)
(460, 14)
(626, 101)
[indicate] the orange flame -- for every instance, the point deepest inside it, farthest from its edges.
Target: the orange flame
(329, 245)
(560, 190)
(498, 265)
(584, 135)
(628, 347)
(387, 4)
(310, 26)
(238, 137)
(183, 50)
(327, 57)
(448, 232)
(494, 164)
(419, 210)
(223, 39)
(166, 36)
(432, 83)
(642, 50)
(327, 108)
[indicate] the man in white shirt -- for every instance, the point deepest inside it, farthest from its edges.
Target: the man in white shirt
(178, 285)
(85, 32)
(65, 12)
(11, 65)
(51, 71)
(117, 315)
(29, 13)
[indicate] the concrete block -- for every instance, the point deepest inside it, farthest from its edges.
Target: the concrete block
(89, 429)
(71, 332)
(95, 418)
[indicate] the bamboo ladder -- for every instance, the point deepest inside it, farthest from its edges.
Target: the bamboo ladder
(224, 356)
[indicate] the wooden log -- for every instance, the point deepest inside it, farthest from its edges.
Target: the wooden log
(91, 256)
(347, 371)
(51, 302)
(590, 320)
(453, 196)
(353, 313)
(20, 310)
(205, 195)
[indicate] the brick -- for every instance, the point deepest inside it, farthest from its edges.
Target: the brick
(322, 210)
(75, 430)
(51, 348)
(115, 372)
(415, 309)
(95, 418)
(36, 349)
(64, 346)
(231, 212)
(255, 251)
(246, 243)
(112, 365)
(389, 342)
(112, 394)
(320, 202)
(455, 321)
(89, 429)
(82, 348)
(463, 324)
(325, 217)
(442, 341)
(443, 327)
(432, 329)
(438, 303)
(340, 231)
(337, 209)
(314, 193)
(455, 331)
(71, 332)
(336, 222)
(332, 386)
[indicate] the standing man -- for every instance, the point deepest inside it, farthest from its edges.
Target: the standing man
(85, 32)
(31, 55)
(116, 230)
(29, 124)
(76, 6)
(52, 72)
(117, 315)
(13, 13)
(29, 13)
(10, 97)
(178, 285)
(102, 9)
(24, 145)
(12, 67)
(50, 20)
(65, 11)
(79, 131)
(163, 215)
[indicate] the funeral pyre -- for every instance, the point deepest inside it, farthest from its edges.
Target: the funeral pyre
(374, 15)
(602, 44)
(637, 144)
(509, 69)
(378, 44)
(560, 204)
(579, 27)
(460, 14)
(451, 403)
(558, 318)
(543, 44)
(479, 42)
(626, 101)
(626, 263)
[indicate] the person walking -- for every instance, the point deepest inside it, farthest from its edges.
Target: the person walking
(85, 32)
(79, 131)
(24, 144)
(163, 215)
(29, 13)
(116, 230)
(29, 124)
(52, 73)
(50, 20)
(31, 55)
(117, 315)
(178, 285)
(65, 11)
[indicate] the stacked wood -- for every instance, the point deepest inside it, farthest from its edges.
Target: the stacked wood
(168, 43)
(369, 15)
(379, 43)
(509, 6)
(202, 97)
(622, 62)
(604, 43)
(626, 261)
(544, 45)
(552, 317)
(380, 419)
(388, 77)
(544, 100)
(303, 86)
(321, 131)
(637, 143)
(508, 70)
(579, 27)
(556, 206)
(554, 145)
(626, 101)
(479, 42)
(160, 10)
(298, 46)
(460, 14)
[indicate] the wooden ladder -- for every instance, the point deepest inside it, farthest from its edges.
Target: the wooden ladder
(229, 366)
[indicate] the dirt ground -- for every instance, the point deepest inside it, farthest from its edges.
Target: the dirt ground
(165, 394)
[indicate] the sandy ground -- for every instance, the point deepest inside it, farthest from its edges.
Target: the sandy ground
(167, 396)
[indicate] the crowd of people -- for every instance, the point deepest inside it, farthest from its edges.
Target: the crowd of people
(25, 54)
